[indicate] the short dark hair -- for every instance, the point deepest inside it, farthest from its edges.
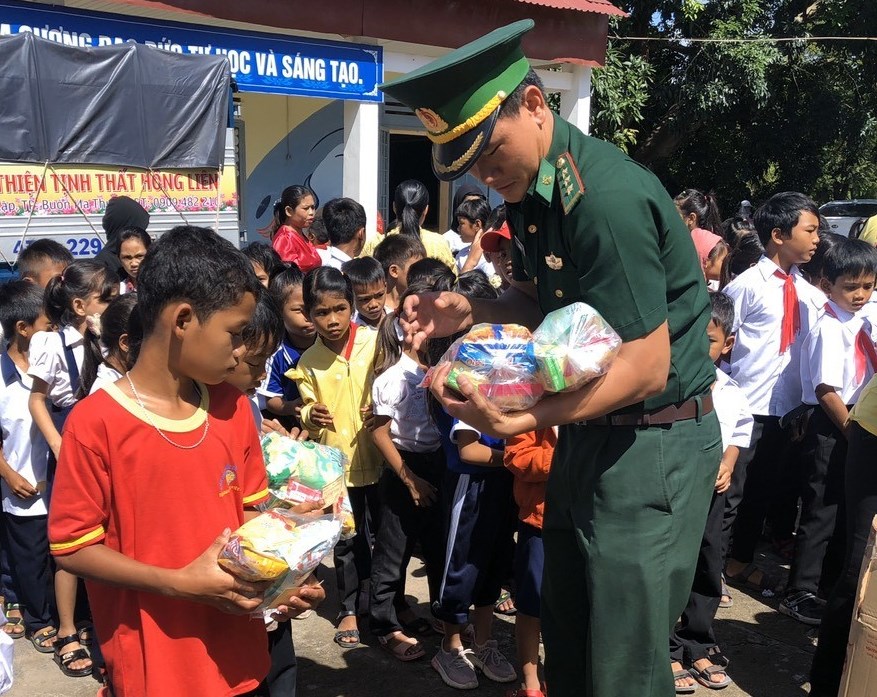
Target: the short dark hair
(318, 230)
(195, 265)
(135, 233)
(851, 258)
(812, 269)
(363, 271)
(343, 217)
(722, 312)
(265, 328)
(283, 282)
(511, 105)
(265, 256)
(397, 249)
(428, 270)
(496, 218)
(782, 211)
(20, 301)
(325, 279)
(39, 252)
(474, 210)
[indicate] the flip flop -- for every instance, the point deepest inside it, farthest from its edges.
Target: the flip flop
(16, 623)
(40, 636)
(346, 634)
(393, 645)
(504, 597)
(703, 677)
(679, 675)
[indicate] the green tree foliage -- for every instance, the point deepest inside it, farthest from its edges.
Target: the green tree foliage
(745, 119)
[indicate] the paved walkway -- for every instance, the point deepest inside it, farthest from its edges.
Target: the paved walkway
(770, 656)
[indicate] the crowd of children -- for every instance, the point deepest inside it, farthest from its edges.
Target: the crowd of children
(196, 348)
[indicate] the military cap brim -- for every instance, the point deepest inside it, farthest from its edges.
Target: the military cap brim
(458, 97)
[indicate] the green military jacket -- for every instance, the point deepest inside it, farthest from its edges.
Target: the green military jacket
(599, 228)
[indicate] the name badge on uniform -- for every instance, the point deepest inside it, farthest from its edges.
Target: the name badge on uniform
(554, 263)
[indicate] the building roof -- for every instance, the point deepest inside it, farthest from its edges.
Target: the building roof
(602, 7)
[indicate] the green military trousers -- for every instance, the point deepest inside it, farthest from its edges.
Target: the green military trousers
(625, 513)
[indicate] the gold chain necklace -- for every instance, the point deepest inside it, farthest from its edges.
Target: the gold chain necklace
(162, 433)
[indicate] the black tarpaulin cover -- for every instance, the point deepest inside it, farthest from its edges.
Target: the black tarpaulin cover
(128, 105)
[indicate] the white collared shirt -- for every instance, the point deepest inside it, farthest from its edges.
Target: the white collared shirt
(828, 355)
(334, 257)
(732, 410)
(24, 447)
(49, 364)
(770, 380)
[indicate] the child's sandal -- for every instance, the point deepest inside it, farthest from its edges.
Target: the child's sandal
(401, 649)
(41, 636)
(65, 659)
(14, 627)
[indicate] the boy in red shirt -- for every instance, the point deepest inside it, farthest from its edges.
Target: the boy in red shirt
(155, 470)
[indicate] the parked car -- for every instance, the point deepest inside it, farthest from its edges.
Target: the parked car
(843, 215)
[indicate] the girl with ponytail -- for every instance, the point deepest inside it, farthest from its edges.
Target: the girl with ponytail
(61, 364)
(410, 205)
(293, 213)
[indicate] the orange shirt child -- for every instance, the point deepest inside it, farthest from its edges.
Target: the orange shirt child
(528, 456)
(121, 484)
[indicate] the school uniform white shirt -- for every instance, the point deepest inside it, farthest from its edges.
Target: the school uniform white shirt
(395, 393)
(733, 412)
(770, 380)
(828, 355)
(105, 376)
(49, 363)
(24, 447)
(334, 257)
(482, 264)
(455, 242)
(358, 320)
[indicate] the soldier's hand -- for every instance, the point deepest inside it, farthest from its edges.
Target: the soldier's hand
(434, 315)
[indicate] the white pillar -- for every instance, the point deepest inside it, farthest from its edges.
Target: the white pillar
(575, 103)
(361, 157)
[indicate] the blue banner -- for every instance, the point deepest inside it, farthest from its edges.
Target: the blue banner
(259, 62)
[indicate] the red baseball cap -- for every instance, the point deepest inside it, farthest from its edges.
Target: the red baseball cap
(490, 240)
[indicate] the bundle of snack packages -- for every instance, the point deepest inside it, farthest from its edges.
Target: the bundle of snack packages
(305, 471)
(281, 547)
(514, 369)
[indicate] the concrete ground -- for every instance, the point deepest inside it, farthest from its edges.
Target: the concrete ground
(770, 656)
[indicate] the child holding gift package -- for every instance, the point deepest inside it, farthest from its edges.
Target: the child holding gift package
(334, 378)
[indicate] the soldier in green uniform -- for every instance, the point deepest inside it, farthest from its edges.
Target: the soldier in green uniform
(639, 449)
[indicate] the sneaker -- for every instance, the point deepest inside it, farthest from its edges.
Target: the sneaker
(490, 661)
(802, 606)
(455, 667)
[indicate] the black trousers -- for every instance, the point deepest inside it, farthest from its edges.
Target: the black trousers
(403, 525)
(280, 681)
(861, 506)
(8, 579)
(353, 557)
(820, 538)
(753, 486)
(694, 636)
(28, 548)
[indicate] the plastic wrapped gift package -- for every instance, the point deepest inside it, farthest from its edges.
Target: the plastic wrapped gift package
(514, 369)
(281, 547)
(573, 345)
(300, 471)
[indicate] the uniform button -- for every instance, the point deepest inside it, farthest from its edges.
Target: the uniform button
(532, 228)
(558, 293)
(337, 377)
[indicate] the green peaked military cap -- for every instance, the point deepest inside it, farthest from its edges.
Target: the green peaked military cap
(457, 97)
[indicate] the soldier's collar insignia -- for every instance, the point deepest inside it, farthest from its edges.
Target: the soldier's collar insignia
(569, 182)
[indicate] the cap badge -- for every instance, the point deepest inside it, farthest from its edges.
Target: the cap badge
(432, 121)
